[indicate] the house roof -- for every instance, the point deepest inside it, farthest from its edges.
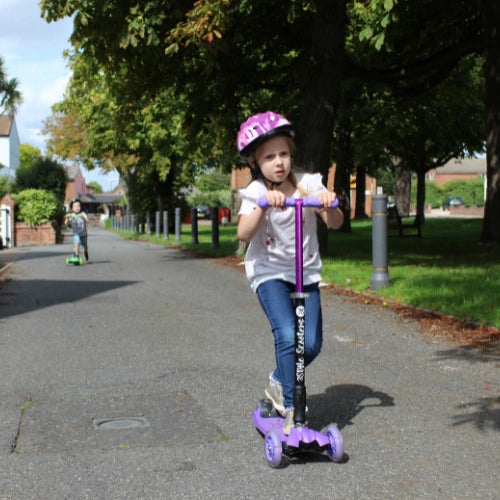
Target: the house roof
(6, 122)
(463, 166)
(99, 198)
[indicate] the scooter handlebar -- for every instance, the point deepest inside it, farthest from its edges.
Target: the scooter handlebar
(312, 202)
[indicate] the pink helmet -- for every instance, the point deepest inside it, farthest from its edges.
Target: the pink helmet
(258, 128)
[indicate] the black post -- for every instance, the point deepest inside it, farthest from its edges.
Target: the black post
(194, 226)
(215, 227)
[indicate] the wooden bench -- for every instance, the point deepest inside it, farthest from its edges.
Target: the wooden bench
(404, 227)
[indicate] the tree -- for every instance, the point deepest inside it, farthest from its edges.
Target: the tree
(293, 56)
(96, 187)
(44, 173)
(456, 29)
(28, 154)
(10, 96)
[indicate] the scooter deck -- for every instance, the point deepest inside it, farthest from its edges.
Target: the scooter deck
(74, 261)
(266, 419)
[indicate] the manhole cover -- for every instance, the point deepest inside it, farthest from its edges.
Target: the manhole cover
(166, 419)
(120, 424)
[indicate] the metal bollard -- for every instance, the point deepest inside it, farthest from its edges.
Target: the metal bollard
(165, 225)
(148, 223)
(194, 226)
(177, 224)
(215, 227)
(157, 224)
(380, 276)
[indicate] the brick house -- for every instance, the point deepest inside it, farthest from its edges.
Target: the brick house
(9, 146)
(77, 186)
(455, 169)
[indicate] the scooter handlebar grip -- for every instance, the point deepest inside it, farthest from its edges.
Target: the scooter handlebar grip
(290, 202)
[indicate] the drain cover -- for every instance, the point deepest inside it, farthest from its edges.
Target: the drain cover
(140, 421)
(120, 424)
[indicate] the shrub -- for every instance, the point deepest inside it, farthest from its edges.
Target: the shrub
(221, 198)
(433, 194)
(36, 206)
(471, 191)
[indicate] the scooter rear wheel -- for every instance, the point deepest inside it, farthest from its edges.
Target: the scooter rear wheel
(336, 449)
(273, 448)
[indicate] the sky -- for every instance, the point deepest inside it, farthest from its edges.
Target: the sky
(32, 52)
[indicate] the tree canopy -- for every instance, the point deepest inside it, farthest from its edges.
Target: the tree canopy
(10, 96)
(159, 89)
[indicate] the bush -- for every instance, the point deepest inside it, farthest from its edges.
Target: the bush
(43, 173)
(471, 191)
(433, 195)
(221, 198)
(36, 206)
(4, 186)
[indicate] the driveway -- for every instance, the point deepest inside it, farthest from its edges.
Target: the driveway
(135, 377)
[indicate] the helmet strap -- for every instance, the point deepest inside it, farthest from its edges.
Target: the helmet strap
(269, 183)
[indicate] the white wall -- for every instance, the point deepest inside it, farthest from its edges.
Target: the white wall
(9, 152)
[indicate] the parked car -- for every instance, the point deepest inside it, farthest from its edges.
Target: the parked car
(452, 201)
(203, 212)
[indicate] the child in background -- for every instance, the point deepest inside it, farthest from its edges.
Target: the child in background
(78, 221)
(265, 143)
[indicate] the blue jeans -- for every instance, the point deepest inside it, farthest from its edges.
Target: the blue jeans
(274, 297)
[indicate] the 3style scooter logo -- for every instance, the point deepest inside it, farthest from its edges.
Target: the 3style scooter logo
(300, 348)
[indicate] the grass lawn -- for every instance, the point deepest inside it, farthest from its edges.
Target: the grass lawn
(446, 271)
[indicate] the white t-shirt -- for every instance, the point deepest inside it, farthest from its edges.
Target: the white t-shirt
(271, 252)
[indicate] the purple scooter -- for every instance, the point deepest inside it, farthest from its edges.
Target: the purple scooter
(265, 418)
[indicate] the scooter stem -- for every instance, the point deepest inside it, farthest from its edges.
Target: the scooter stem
(299, 390)
(299, 251)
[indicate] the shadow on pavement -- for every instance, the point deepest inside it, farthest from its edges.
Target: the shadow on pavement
(484, 414)
(472, 354)
(341, 403)
(20, 297)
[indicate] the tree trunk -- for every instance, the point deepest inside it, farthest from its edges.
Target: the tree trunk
(402, 189)
(421, 195)
(491, 20)
(360, 208)
(322, 95)
(342, 185)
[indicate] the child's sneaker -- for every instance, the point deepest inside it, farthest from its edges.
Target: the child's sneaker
(288, 424)
(274, 391)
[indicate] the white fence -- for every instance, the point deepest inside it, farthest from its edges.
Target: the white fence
(5, 227)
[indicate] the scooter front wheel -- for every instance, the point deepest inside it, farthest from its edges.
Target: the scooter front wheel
(274, 449)
(336, 449)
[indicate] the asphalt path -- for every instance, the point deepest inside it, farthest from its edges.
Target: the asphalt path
(177, 347)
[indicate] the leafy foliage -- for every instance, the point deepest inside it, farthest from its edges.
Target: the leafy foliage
(28, 154)
(471, 191)
(36, 206)
(4, 185)
(96, 187)
(10, 96)
(43, 173)
(159, 88)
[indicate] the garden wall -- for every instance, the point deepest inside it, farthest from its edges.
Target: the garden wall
(28, 236)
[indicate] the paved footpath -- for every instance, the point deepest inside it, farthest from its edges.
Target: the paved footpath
(135, 376)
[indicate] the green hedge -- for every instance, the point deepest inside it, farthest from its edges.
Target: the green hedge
(36, 206)
(471, 191)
